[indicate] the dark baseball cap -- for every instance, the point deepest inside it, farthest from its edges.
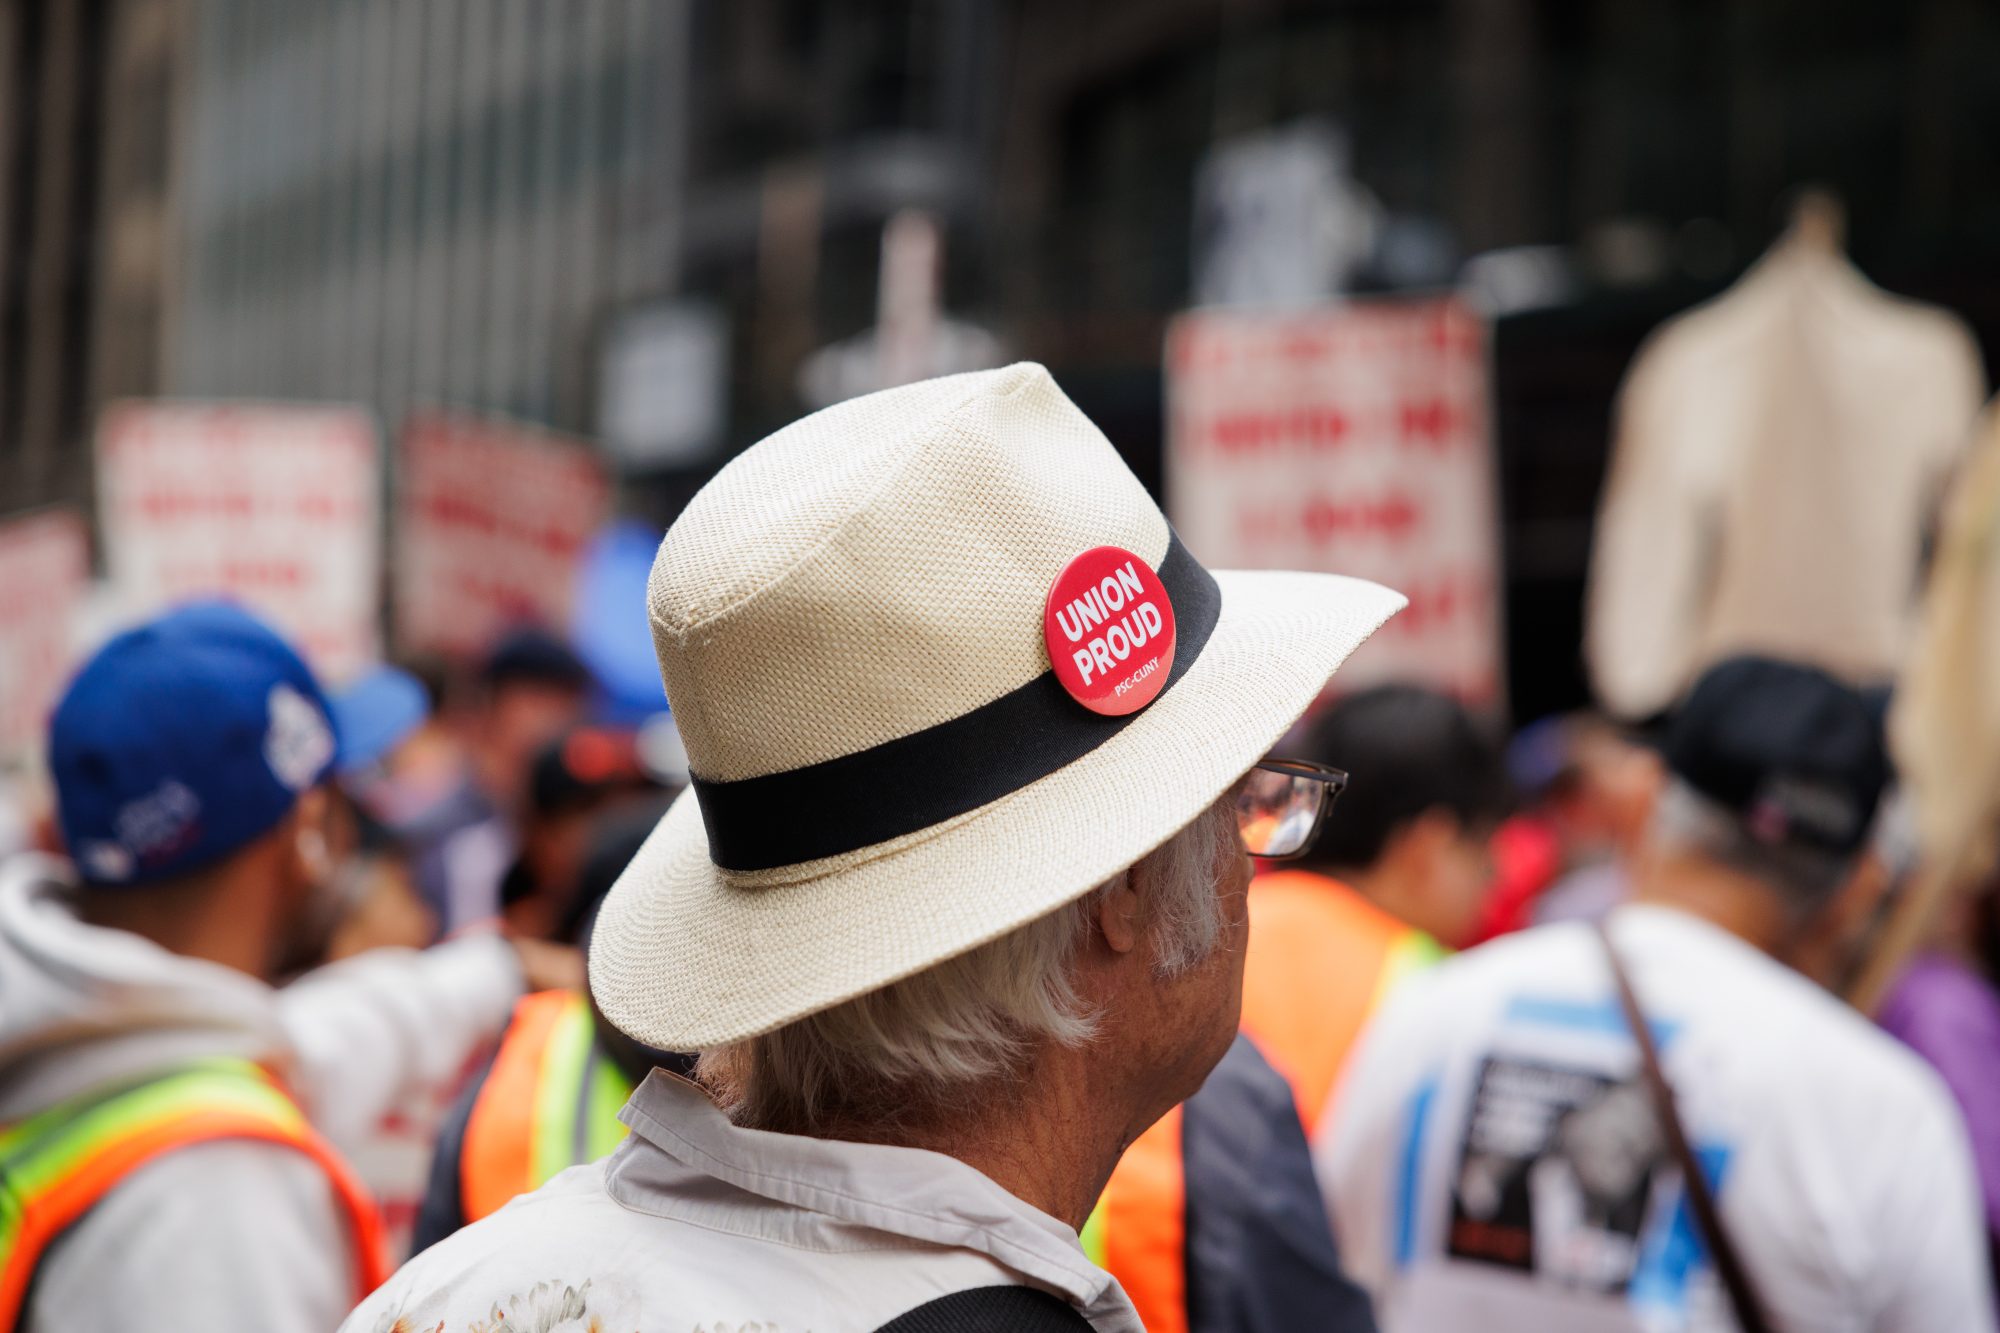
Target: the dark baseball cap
(183, 740)
(532, 656)
(583, 765)
(1795, 754)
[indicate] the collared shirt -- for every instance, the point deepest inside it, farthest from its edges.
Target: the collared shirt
(696, 1224)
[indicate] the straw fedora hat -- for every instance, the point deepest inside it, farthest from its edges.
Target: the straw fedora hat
(890, 767)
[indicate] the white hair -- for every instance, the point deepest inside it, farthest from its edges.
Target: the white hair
(1687, 822)
(922, 1044)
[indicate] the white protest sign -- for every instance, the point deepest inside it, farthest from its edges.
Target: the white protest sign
(44, 575)
(273, 505)
(664, 388)
(1352, 439)
(492, 520)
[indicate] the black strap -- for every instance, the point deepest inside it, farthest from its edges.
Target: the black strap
(1743, 1297)
(991, 1310)
(929, 776)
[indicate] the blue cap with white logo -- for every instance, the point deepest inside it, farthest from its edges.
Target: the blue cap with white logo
(182, 741)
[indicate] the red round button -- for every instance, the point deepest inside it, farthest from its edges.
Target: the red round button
(1110, 631)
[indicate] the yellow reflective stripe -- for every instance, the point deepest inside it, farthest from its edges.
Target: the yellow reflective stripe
(41, 1150)
(605, 1097)
(1412, 951)
(1092, 1234)
(563, 1063)
(11, 1212)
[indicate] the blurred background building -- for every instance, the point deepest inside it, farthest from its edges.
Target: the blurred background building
(588, 214)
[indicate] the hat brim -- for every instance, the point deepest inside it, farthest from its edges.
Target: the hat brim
(686, 956)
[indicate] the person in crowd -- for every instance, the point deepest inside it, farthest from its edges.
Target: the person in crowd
(953, 911)
(1502, 1158)
(532, 688)
(549, 1097)
(172, 1128)
(1386, 886)
(414, 781)
(376, 716)
(1945, 1007)
(388, 727)
(1212, 1221)
(1587, 789)
(577, 782)
(387, 742)
(1600, 803)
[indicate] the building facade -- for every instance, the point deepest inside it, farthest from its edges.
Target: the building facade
(405, 203)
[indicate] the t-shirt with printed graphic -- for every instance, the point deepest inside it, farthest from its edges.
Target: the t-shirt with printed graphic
(1497, 1161)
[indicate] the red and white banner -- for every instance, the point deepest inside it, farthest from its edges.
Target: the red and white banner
(272, 505)
(1353, 439)
(492, 520)
(44, 576)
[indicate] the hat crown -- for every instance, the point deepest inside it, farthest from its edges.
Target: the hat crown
(881, 567)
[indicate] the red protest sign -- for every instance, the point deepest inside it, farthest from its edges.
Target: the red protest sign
(492, 519)
(1352, 439)
(274, 505)
(44, 574)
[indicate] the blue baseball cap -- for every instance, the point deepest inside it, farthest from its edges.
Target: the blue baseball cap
(376, 713)
(182, 741)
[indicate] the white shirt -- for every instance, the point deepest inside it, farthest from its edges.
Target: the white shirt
(694, 1223)
(1495, 1152)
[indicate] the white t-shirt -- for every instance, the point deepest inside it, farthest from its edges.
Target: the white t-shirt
(1494, 1162)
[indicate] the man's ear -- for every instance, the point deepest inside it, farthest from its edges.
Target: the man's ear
(1118, 916)
(311, 852)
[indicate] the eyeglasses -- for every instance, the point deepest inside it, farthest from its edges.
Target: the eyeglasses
(1281, 805)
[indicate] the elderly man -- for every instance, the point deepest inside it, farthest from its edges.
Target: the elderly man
(954, 908)
(1506, 1158)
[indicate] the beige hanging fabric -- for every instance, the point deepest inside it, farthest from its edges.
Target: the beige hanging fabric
(1780, 451)
(1945, 726)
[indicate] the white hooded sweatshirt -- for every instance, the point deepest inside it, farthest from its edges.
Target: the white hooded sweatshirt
(229, 1234)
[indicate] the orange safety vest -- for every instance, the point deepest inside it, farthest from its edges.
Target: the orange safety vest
(1138, 1231)
(56, 1165)
(1322, 958)
(550, 1101)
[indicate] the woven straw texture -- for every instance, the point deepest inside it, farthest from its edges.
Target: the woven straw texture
(876, 569)
(880, 567)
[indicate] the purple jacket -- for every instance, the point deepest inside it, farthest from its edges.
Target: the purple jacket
(1950, 1015)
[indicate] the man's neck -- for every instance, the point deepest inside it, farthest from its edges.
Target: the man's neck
(200, 917)
(1048, 1139)
(1380, 886)
(1734, 902)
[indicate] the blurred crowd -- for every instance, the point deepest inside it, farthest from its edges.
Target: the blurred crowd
(1540, 1030)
